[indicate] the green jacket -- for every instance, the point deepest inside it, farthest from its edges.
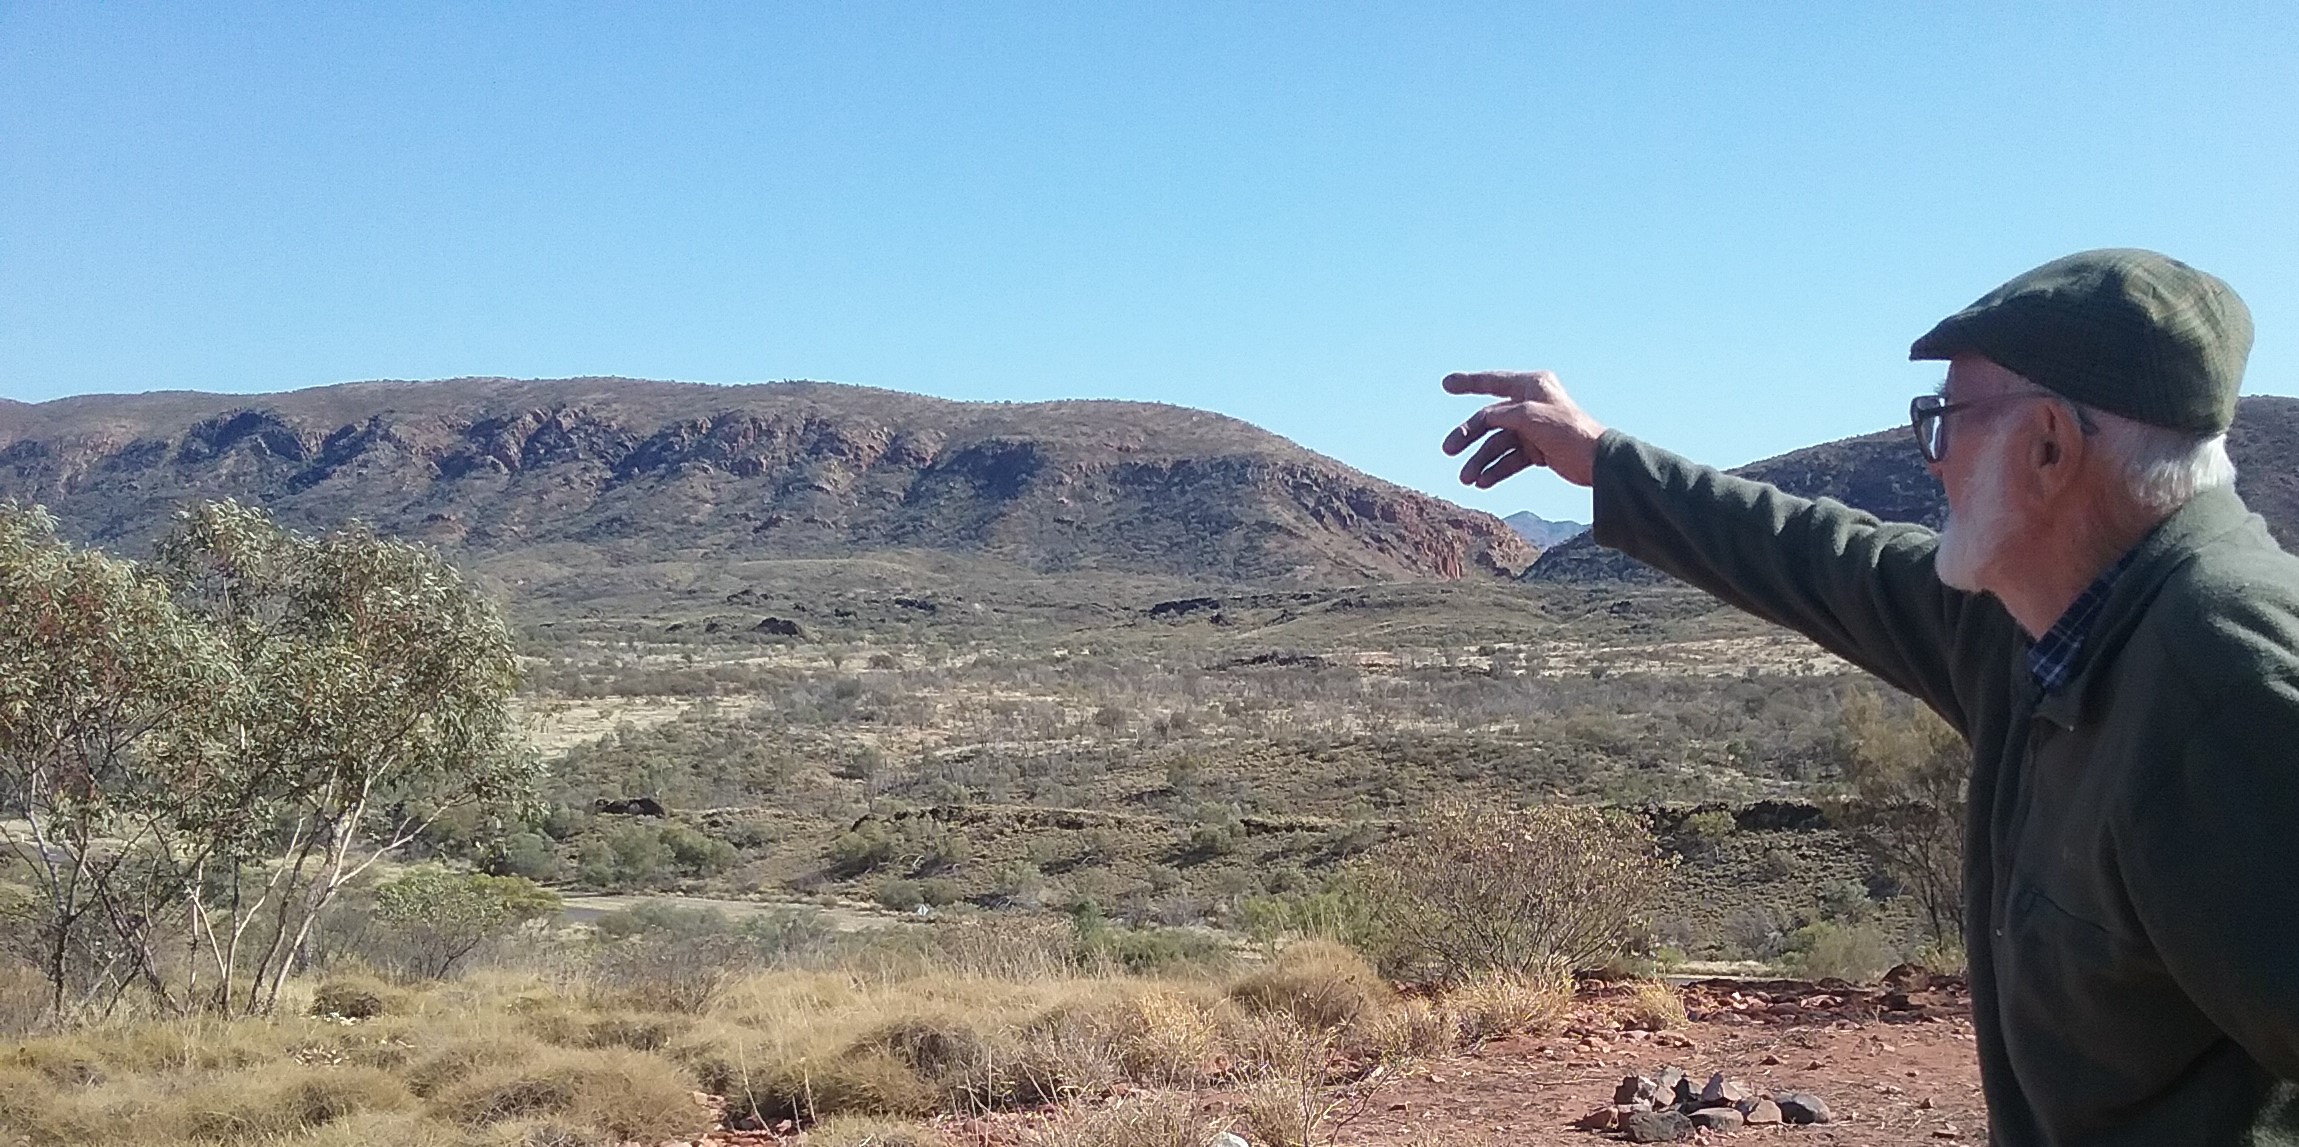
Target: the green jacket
(2131, 900)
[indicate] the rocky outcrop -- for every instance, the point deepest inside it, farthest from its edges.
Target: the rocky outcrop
(489, 466)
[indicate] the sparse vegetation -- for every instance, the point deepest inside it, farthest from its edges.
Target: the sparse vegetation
(1905, 771)
(1164, 852)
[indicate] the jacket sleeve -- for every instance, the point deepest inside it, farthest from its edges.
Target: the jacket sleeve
(2206, 859)
(1863, 589)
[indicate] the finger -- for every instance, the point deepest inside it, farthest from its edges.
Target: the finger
(1507, 465)
(1493, 382)
(1482, 422)
(1493, 449)
(1476, 427)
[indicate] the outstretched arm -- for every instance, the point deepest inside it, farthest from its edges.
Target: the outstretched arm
(1863, 589)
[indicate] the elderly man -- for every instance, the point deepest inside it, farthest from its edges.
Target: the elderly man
(2116, 636)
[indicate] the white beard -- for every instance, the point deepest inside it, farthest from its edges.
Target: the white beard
(1976, 534)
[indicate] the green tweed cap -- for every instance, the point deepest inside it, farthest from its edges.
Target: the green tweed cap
(2127, 331)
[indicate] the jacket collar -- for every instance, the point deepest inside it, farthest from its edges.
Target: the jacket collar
(2208, 517)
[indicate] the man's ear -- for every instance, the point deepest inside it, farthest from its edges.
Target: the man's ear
(2058, 446)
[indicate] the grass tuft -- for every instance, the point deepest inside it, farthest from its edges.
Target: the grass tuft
(356, 997)
(1321, 984)
(625, 1094)
(1655, 1005)
(1151, 1119)
(1493, 1004)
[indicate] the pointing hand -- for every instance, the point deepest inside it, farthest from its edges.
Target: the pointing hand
(1535, 423)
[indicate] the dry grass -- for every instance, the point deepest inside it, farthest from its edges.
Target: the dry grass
(1493, 1004)
(1320, 984)
(628, 1095)
(850, 1131)
(1654, 1005)
(356, 996)
(1151, 1119)
(23, 998)
(280, 1103)
(505, 1058)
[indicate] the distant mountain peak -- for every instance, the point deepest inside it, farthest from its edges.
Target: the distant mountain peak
(1542, 532)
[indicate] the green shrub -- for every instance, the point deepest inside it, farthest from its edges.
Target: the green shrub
(859, 850)
(1856, 952)
(650, 856)
(1140, 950)
(1534, 890)
(437, 916)
(527, 854)
(661, 917)
(1706, 831)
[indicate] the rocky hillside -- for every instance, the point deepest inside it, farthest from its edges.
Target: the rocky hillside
(647, 470)
(1882, 474)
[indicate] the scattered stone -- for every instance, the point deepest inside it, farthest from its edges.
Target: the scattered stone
(1633, 1088)
(1944, 1133)
(1770, 1061)
(1763, 1113)
(1657, 1127)
(1722, 1092)
(1717, 1119)
(1602, 1119)
(1665, 1083)
(1803, 1107)
(780, 627)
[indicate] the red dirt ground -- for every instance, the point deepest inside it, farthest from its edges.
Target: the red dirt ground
(1895, 1064)
(1891, 1077)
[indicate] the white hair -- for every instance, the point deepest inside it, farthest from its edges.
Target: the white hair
(2162, 468)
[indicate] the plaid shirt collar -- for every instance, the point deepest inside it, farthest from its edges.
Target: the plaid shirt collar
(2051, 660)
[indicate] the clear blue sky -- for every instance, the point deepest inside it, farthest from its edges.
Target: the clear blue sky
(1722, 222)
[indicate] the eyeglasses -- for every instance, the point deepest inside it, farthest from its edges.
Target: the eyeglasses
(1928, 417)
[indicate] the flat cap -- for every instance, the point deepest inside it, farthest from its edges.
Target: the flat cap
(2127, 331)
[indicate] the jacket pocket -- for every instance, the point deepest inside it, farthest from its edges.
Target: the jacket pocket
(2091, 1021)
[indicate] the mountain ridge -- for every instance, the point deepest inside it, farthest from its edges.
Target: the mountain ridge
(785, 469)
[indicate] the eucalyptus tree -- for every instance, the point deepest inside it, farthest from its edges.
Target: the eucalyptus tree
(374, 688)
(106, 691)
(197, 756)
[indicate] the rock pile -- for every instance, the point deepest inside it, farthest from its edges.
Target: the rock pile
(1910, 993)
(1668, 1106)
